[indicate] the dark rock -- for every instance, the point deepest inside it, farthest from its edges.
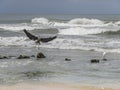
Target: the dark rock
(67, 59)
(23, 57)
(41, 55)
(3, 57)
(94, 60)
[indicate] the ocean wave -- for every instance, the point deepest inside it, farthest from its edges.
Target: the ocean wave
(41, 20)
(21, 26)
(117, 23)
(92, 22)
(15, 27)
(36, 23)
(15, 41)
(111, 32)
(65, 43)
(99, 45)
(87, 31)
(85, 21)
(77, 26)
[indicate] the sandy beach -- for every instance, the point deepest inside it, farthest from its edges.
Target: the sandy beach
(51, 86)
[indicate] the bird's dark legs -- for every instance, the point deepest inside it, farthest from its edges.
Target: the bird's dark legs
(38, 43)
(38, 46)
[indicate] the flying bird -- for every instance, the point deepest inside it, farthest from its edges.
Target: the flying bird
(37, 39)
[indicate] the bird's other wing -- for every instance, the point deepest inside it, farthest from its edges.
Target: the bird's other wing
(47, 39)
(30, 36)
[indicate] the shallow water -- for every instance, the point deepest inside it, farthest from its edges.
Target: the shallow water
(54, 68)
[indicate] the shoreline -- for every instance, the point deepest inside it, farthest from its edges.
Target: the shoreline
(51, 86)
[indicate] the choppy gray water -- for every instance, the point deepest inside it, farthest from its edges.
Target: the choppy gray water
(80, 38)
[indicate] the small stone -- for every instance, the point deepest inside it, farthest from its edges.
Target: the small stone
(94, 60)
(23, 57)
(3, 57)
(41, 55)
(67, 59)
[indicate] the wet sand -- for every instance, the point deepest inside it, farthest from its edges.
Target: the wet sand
(51, 86)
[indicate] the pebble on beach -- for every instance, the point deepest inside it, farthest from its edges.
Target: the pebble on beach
(23, 57)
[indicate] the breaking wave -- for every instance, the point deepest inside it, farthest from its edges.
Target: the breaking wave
(111, 32)
(77, 26)
(15, 27)
(40, 20)
(86, 31)
(85, 21)
(14, 41)
(65, 43)
(19, 27)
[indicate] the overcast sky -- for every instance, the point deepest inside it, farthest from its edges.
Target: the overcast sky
(60, 6)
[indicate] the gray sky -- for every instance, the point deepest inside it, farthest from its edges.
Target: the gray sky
(60, 6)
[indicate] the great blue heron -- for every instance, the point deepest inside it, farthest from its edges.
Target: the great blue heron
(37, 39)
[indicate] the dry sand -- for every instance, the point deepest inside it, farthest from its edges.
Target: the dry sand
(50, 86)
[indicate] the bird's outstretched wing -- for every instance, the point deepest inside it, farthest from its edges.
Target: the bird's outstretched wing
(47, 39)
(30, 36)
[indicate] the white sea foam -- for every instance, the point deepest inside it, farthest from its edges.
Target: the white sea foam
(78, 26)
(15, 41)
(117, 23)
(83, 26)
(40, 20)
(15, 27)
(85, 31)
(85, 21)
(36, 23)
(19, 27)
(80, 44)
(60, 43)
